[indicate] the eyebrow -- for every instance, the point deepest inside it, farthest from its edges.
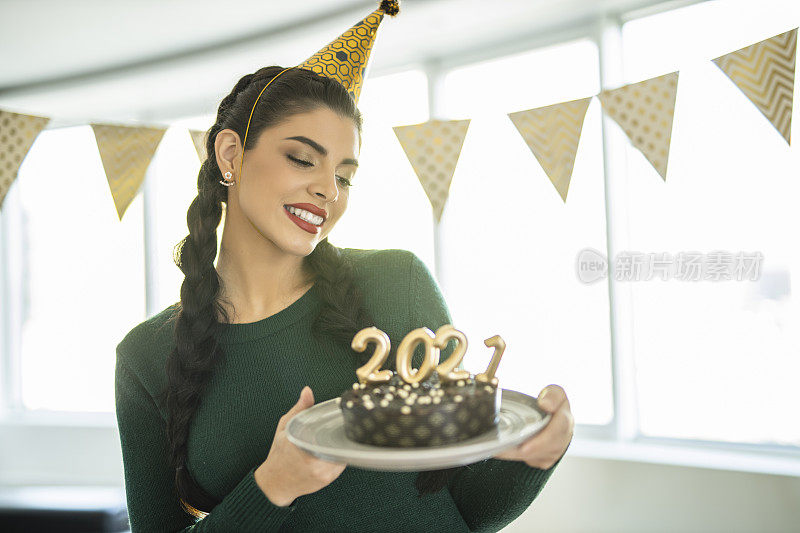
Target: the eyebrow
(319, 148)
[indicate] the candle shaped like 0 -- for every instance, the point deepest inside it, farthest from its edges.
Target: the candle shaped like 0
(405, 350)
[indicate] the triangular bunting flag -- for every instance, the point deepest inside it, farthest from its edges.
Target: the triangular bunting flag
(644, 110)
(552, 133)
(764, 72)
(432, 149)
(199, 141)
(126, 152)
(17, 133)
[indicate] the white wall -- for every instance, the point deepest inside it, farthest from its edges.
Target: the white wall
(599, 495)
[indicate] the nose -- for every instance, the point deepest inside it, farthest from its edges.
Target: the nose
(325, 188)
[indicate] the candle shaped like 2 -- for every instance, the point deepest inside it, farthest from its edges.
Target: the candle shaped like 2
(445, 369)
(369, 372)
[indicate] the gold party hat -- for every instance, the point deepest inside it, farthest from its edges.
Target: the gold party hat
(345, 59)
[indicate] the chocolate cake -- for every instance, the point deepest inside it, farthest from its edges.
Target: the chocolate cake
(429, 413)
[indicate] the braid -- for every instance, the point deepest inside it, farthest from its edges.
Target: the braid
(196, 352)
(345, 314)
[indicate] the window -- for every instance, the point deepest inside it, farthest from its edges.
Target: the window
(712, 355)
(75, 253)
(174, 172)
(510, 242)
(80, 271)
(388, 207)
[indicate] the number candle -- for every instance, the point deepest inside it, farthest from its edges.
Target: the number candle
(369, 372)
(499, 347)
(405, 350)
(445, 369)
(433, 344)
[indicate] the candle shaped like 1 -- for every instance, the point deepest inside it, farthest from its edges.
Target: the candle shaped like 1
(405, 350)
(369, 373)
(499, 346)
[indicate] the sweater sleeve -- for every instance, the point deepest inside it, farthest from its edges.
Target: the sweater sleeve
(152, 502)
(492, 493)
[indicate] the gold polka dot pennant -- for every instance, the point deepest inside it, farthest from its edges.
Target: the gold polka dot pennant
(345, 59)
(433, 149)
(126, 152)
(764, 72)
(199, 142)
(644, 110)
(17, 134)
(552, 133)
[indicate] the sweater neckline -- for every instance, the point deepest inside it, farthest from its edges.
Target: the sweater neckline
(229, 333)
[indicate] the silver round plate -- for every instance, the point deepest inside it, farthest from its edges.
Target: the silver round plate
(319, 430)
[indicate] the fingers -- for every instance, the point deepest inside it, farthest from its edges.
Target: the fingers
(549, 444)
(546, 443)
(305, 401)
(511, 454)
(551, 398)
(553, 437)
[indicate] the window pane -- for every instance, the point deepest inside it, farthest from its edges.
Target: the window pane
(715, 360)
(510, 242)
(85, 276)
(174, 173)
(388, 207)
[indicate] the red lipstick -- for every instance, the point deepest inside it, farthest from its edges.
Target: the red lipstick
(303, 224)
(311, 208)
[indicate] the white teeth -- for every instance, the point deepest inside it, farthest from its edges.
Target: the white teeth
(305, 215)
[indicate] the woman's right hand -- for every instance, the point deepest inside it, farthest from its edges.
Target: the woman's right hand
(288, 471)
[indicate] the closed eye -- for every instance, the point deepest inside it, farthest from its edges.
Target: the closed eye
(300, 161)
(304, 163)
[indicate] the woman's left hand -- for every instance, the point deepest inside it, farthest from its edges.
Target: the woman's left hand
(546, 447)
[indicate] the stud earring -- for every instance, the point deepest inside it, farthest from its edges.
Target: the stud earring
(227, 181)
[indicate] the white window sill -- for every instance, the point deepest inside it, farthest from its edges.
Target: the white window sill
(55, 419)
(716, 455)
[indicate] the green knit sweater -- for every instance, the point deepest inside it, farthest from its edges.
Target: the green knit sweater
(265, 366)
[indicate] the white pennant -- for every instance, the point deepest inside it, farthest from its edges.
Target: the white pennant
(552, 133)
(432, 149)
(644, 110)
(764, 72)
(17, 134)
(126, 152)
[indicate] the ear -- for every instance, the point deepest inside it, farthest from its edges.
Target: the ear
(227, 147)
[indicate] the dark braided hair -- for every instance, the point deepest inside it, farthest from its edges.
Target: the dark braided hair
(191, 363)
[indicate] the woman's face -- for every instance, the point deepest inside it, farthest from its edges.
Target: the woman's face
(309, 159)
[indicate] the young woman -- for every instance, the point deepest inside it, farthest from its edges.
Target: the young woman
(205, 388)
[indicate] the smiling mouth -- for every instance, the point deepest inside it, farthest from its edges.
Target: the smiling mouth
(304, 224)
(309, 218)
